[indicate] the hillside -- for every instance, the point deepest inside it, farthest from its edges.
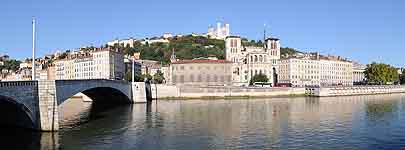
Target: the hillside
(189, 47)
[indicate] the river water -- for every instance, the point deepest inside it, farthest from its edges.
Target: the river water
(352, 122)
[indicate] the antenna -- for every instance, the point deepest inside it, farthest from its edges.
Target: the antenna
(264, 32)
(264, 35)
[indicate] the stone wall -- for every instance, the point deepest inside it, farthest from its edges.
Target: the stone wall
(221, 91)
(354, 90)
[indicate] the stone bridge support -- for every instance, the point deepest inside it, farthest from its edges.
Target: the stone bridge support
(48, 106)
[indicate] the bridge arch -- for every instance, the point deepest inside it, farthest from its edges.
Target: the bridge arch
(16, 114)
(100, 91)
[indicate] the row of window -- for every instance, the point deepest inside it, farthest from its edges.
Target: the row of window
(198, 67)
(201, 78)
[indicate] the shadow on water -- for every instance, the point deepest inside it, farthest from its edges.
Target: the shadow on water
(17, 138)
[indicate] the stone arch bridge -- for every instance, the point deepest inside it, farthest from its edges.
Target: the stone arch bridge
(34, 104)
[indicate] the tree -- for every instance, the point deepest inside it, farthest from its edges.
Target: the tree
(137, 77)
(259, 78)
(146, 76)
(381, 73)
(158, 77)
(402, 77)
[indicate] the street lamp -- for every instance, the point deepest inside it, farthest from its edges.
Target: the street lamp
(133, 69)
(33, 49)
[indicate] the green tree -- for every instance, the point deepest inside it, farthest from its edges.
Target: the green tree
(11, 64)
(158, 77)
(284, 51)
(402, 77)
(259, 78)
(146, 76)
(137, 77)
(381, 73)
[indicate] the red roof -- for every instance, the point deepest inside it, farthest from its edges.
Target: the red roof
(201, 61)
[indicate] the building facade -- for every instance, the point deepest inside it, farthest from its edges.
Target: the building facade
(358, 73)
(315, 70)
(201, 72)
(250, 61)
(102, 63)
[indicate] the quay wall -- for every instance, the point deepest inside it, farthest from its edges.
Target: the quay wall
(165, 91)
(354, 90)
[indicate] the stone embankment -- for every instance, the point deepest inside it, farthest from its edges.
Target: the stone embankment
(354, 90)
(170, 91)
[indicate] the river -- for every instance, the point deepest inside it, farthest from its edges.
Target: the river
(350, 122)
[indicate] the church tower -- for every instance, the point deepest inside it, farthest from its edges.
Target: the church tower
(233, 45)
(273, 47)
(173, 57)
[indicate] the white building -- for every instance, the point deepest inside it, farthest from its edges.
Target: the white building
(315, 70)
(154, 40)
(125, 42)
(97, 64)
(250, 61)
(167, 35)
(221, 32)
(358, 73)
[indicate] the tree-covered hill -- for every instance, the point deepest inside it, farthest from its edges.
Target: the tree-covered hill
(189, 47)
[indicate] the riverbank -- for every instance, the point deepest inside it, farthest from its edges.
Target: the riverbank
(231, 97)
(355, 90)
(170, 92)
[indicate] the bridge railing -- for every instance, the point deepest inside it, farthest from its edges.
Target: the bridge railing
(78, 80)
(18, 83)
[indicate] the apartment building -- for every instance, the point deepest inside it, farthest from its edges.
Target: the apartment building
(316, 70)
(100, 63)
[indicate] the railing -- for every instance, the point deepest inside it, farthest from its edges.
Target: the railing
(18, 83)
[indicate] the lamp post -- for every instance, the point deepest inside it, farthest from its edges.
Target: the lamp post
(33, 49)
(133, 69)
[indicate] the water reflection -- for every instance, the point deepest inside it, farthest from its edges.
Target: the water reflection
(354, 122)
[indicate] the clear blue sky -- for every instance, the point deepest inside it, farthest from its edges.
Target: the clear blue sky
(362, 30)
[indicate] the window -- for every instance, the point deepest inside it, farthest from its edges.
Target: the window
(199, 78)
(174, 79)
(181, 78)
(191, 78)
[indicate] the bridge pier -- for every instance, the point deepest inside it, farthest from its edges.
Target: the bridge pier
(48, 106)
(141, 92)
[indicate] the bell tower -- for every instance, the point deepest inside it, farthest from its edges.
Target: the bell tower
(233, 46)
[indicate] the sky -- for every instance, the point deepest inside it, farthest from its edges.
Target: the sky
(361, 30)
